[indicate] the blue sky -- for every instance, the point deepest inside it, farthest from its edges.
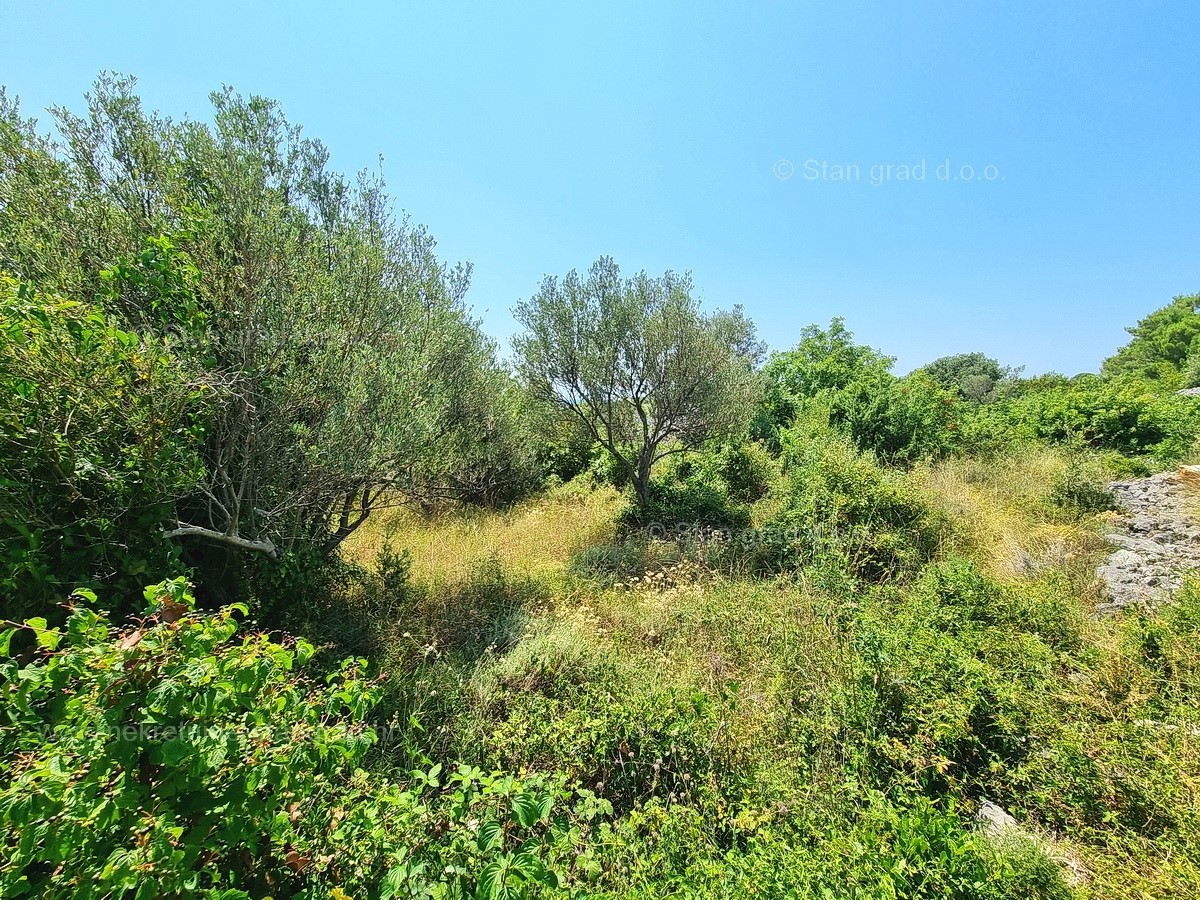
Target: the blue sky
(534, 138)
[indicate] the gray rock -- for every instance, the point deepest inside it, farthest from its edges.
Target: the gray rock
(993, 820)
(1160, 541)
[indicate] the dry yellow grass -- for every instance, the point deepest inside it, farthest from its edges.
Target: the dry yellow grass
(535, 538)
(1189, 477)
(996, 506)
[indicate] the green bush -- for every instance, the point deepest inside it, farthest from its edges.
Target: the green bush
(837, 502)
(628, 741)
(910, 850)
(960, 667)
(167, 759)
(675, 506)
(1133, 418)
(746, 471)
(1164, 345)
(1081, 490)
(828, 375)
(901, 420)
(100, 433)
(175, 760)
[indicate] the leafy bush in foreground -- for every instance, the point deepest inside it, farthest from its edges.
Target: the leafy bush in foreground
(173, 759)
(166, 759)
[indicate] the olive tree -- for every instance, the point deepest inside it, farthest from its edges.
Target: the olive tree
(340, 367)
(638, 362)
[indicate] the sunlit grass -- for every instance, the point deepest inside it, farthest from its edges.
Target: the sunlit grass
(748, 698)
(535, 538)
(1001, 512)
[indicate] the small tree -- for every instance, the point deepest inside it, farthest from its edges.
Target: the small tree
(638, 363)
(1161, 345)
(972, 376)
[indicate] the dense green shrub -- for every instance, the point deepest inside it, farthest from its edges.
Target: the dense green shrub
(900, 419)
(698, 491)
(828, 376)
(746, 471)
(908, 850)
(166, 759)
(605, 468)
(971, 376)
(1164, 347)
(565, 448)
(959, 666)
(824, 361)
(1131, 417)
(836, 501)
(175, 760)
(628, 741)
(99, 432)
(676, 505)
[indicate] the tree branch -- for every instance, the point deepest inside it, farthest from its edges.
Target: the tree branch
(265, 547)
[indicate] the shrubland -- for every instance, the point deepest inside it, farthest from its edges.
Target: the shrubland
(639, 617)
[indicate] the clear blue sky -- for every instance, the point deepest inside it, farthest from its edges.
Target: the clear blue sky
(534, 138)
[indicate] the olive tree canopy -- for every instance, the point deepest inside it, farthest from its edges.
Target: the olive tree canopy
(638, 362)
(331, 349)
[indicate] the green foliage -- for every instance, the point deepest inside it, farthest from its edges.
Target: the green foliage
(828, 376)
(175, 759)
(638, 363)
(1127, 416)
(340, 361)
(837, 502)
(673, 505)
(746, 471)
(823, 361)
(901, 420)
(167, 759)
(649, 743)
(911, 850)
(253, 354)
(462, 834)
(1081, 490)
(101, 429)
(970, 376)
(565, 446)
(1164, 345)
(958, 665)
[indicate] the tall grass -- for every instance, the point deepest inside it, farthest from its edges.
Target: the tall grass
(538, 537)
(1034, 510)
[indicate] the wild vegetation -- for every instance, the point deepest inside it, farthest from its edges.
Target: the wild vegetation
(308, 594)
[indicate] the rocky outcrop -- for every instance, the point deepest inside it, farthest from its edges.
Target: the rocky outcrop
(1158, 543)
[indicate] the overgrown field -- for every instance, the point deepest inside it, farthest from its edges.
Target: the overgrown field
(308, 592)
(803, 735)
